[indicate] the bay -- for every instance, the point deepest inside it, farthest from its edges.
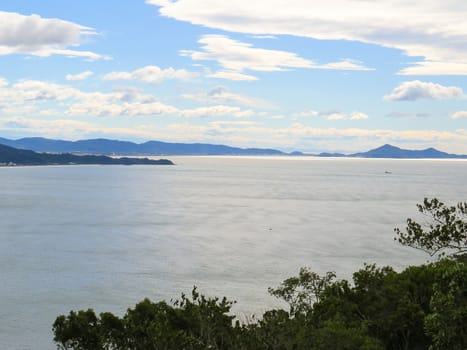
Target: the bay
(104, 237)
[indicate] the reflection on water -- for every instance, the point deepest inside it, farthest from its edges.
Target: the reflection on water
(104, 237)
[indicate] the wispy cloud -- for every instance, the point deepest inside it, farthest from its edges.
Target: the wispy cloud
(353, 116)
(221, 94)
(152, 74)
(416, 90)
(437, 35)
(332, 116)
(217, 111)
(235, 57)
(231, 75)
(80, 76)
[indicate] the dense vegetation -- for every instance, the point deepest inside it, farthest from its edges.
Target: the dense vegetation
(422, 307)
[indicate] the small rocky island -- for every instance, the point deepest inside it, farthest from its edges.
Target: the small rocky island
(10, 156)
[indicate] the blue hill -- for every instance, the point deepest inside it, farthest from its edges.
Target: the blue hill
(389, 151)
(105, 146)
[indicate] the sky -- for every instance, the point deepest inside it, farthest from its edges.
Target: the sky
(313, 76)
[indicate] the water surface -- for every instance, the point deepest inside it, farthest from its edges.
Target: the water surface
(74, 237)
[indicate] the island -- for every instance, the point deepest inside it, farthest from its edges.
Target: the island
(10, 156)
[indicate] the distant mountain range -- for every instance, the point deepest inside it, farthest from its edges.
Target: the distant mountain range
(114, 147)
(111, 147)
(10, 156)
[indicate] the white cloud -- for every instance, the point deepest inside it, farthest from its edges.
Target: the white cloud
(459, 115)
(264, 36)
(436, 68)
(3, 82)
(432, 29)
(46, 127)
(309, 113)
(342, 65)
(29, 97)
(74, 129)
(216, 111)
(80, 76)
(235, 56)
(336, 116)
(332, 115)
(38, 36)
(152, 74)
(416, 90)
(111, 109)
(221, 94)
(35, 90)
(352, 116)
(358, 116)
(230, 75)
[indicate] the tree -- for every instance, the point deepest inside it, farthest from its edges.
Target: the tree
(339, 335)
(195, 323)
(79, 330)
(446, 230)
(447, 322)
(301, 291)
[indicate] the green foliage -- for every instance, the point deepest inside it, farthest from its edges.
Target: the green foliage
(447, 322)
(195, 323)
(301, 291)
(337, 334)
(382, 305)
(79, 330)
(276, 330)
(445, 231)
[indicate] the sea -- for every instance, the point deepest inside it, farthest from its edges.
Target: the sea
(105, 237)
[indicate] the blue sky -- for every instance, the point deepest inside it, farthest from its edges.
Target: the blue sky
(340, 75)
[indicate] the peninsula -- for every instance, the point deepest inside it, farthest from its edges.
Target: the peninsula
(10, 156)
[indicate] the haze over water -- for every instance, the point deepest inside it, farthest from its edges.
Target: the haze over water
(104, 237)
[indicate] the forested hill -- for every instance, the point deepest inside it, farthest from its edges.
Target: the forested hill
(13, 156)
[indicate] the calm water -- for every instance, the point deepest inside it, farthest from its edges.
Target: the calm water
(105, 237)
